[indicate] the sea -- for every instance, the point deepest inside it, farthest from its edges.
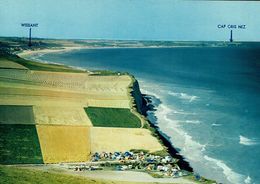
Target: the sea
(207, 101)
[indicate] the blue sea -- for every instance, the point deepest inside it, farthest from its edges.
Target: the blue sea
(209, 101)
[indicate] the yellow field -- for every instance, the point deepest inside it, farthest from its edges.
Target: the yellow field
(122, 139)
(64, 143)
(61, 115)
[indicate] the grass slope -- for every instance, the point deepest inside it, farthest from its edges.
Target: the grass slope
(19, 144)
(112, 117)
(10, 175)
(32, 65)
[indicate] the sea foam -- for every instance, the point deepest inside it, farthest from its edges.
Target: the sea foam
(216, 124)
(189, 146)
(185, 141)
(184, 96)
(232, 176)
(248, 180)
(246, 141)
(193, 121)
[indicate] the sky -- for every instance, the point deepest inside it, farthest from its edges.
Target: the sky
(172, 20)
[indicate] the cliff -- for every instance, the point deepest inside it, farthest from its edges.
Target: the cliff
(141, 105)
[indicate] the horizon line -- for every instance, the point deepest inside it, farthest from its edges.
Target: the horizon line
(109, 39)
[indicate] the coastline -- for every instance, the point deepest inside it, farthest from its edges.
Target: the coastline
(161, 97)
(27, 53)
(142, 102)
(146, 106)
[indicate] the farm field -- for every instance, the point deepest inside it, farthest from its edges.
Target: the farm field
(61, 115)
(113, 117)
(19, 144)
(81, 88)
(16, 114)
(122, 139)
(64, 143)
(48, 116)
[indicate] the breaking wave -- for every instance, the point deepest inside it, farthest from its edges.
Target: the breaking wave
(248, 180)
(216, 124)
(188, 145)
(232, 176)
(246, 141)
(191, 121)
(184, 96)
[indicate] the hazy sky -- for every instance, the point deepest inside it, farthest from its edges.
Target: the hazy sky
(131, 19)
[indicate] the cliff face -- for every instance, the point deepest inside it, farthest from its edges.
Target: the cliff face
(139, 101)
(141, 105)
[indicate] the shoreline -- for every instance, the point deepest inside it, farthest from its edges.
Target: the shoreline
(143, 110)
(147, 106)
(28, 53)
(24, 53)
(157, 113)
(183, 163)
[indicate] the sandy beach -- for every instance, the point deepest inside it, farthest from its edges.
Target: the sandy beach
(27, 53)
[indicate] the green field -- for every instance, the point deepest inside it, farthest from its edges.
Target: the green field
(16, 114)
(19, 144)
(112, 117)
